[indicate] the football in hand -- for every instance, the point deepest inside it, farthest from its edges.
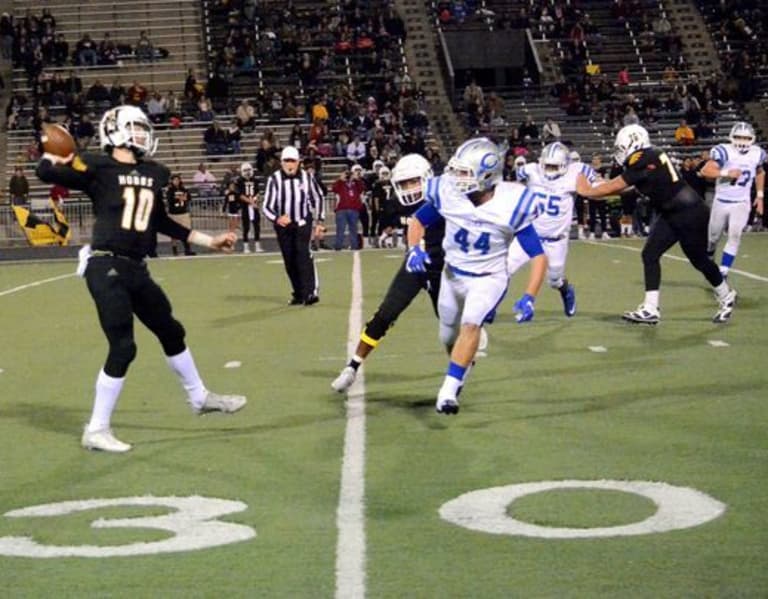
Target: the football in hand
(56, 140)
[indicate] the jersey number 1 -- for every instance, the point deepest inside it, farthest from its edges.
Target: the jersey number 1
(136, 215)
(664, 159)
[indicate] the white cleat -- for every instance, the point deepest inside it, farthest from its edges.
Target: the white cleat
(643, 315)
(228, 404)
(727, 305)
(345, 379)
(447, 405)
(103, 440)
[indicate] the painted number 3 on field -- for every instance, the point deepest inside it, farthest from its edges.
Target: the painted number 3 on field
(193, 524)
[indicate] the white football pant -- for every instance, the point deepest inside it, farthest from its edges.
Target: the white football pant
(467, 300)
(729, 218)
(556, 252)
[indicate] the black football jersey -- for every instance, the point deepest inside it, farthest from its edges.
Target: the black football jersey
(178, 200)
(652, 173)
(127, 200)
(247, 187)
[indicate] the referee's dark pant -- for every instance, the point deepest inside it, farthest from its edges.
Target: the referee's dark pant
(294, 240)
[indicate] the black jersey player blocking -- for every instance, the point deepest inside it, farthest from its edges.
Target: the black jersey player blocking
(126, 189)
(682, 216)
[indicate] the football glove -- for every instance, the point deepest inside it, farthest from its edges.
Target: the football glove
(524, 308)
(416, 260)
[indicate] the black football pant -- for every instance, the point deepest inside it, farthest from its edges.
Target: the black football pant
(689, 227)
(405, 286)
(121, 287)
(246, 222)
(294, 242)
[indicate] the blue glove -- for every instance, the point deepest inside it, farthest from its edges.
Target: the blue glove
(524, 308)
(416, 260)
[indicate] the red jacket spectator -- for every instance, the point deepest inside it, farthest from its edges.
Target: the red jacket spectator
(349, 193)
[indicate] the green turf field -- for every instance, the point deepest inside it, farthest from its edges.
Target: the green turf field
(585, 399)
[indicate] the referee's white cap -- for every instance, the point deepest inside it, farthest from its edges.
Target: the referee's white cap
(289, 153)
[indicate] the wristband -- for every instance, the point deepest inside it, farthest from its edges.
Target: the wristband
(201, 239)
(724, 173)
(759, 194)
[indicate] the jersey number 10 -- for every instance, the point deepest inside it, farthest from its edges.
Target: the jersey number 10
(136, 215)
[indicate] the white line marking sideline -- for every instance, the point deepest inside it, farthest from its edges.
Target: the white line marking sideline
(36, 284)
(743, 273)
(350, 517)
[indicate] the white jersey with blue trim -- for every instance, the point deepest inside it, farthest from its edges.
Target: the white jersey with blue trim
(554, 197)
(477, 238)
(728, 157)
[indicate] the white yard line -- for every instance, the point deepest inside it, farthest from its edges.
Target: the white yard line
(350, 515)
(35, 284)
(743, 273)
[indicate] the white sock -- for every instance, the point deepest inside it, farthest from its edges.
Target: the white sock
(450, 387)
(184, 366)
(722, 290)
(652, 299)
(107, 393)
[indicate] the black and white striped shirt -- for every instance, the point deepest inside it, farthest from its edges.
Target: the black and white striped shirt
(298, 196)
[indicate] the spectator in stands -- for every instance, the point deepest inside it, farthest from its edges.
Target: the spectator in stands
(246, 115)
(58, 193)
(662, 30)
(84, 132)
(85, 51)
(98, 94)
(205, 181)
(684, 135)
(630, 117)
(137, 95)
(60, 50)
(173, 108)
(157, 108)
(234, 138)
(215, 139)
(192, 87)
(298, 138)
(18, 187)
(355, 151)
(474, 97)
(144, 49)
(117, 93)
(550, 131)
(528, 128)
(267, 156)
(6, 35)
(108, 52)
(624, 78)
(204, 110)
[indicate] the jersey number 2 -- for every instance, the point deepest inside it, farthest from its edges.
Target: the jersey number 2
(136, 214)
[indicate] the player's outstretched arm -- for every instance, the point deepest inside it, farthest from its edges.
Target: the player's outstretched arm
(712, 170)
(584, 187)
(224, 242)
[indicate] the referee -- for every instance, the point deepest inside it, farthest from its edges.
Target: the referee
(292, 198)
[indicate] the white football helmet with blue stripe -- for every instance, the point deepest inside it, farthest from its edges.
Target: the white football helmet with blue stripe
(742, 136)
(554, 160)
(477, 165)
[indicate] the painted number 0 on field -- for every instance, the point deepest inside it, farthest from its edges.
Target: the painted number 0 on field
(193, 524)
(485, 510)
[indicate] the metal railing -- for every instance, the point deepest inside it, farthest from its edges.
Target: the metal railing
(207, 216)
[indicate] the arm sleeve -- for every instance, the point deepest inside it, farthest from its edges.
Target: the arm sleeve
(427, 215)
(73, 176)
(529, 241)
(634, 175)
(270, 199)
(317, 197)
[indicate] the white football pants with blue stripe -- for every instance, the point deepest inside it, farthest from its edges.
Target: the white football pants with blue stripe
(467, 300)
